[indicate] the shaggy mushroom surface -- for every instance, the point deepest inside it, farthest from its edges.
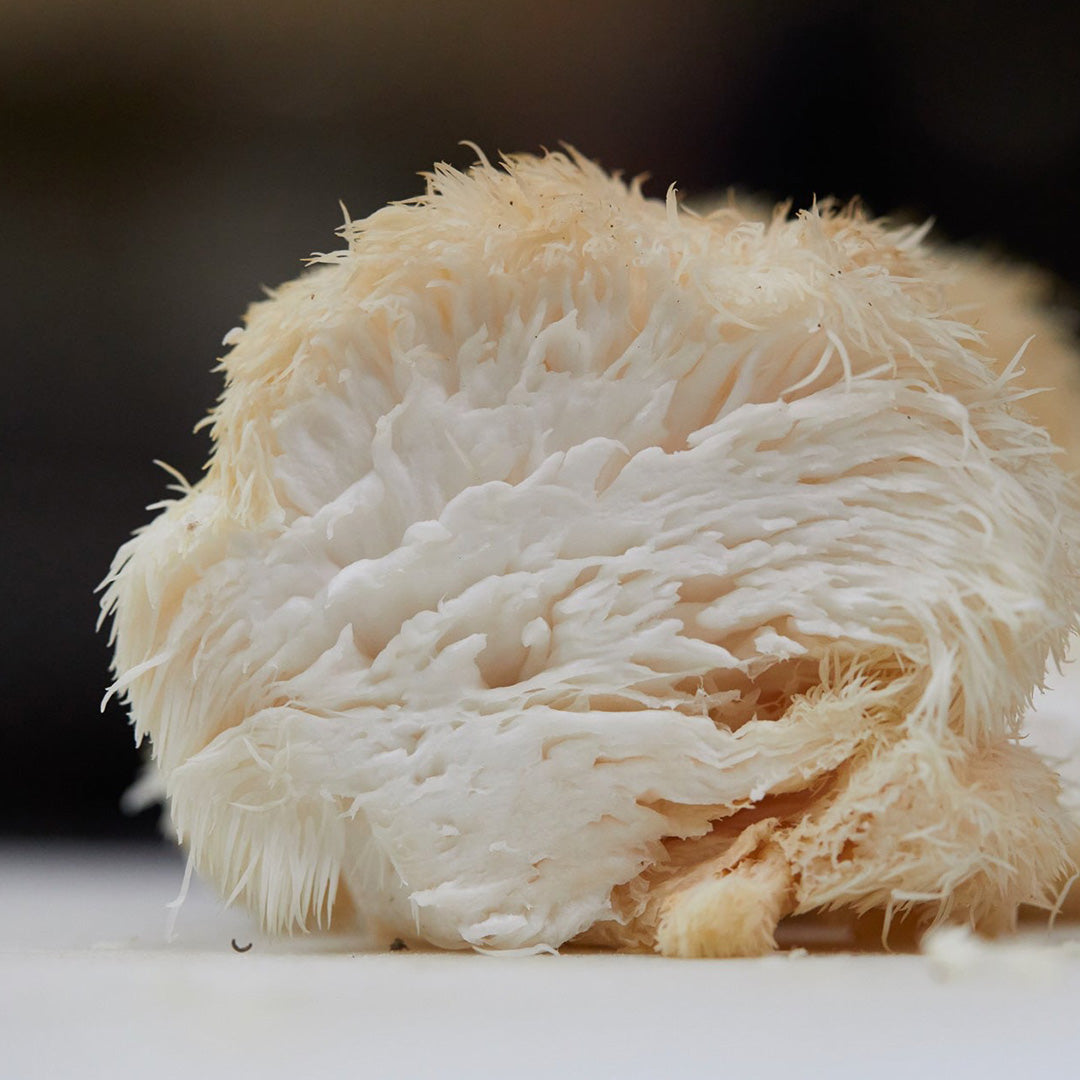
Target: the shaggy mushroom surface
(572, 568)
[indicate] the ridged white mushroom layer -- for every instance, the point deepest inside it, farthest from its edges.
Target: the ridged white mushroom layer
(532, 516)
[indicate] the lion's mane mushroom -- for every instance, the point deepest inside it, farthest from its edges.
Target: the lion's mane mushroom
(571, 567)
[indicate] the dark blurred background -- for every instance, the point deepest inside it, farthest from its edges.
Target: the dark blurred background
(163, 160)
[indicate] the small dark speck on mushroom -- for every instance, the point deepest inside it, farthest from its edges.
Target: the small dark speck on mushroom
(397, 945)
(241, 948)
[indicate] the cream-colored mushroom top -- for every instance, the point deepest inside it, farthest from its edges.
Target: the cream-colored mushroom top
(569, 564)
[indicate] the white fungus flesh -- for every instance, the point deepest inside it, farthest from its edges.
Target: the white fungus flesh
(572, 568)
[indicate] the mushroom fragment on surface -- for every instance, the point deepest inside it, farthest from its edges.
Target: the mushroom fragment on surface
(571, 568)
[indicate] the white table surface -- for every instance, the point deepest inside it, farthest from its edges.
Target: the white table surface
(90, 987)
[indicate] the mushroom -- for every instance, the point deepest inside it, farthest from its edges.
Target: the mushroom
(574, 568)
